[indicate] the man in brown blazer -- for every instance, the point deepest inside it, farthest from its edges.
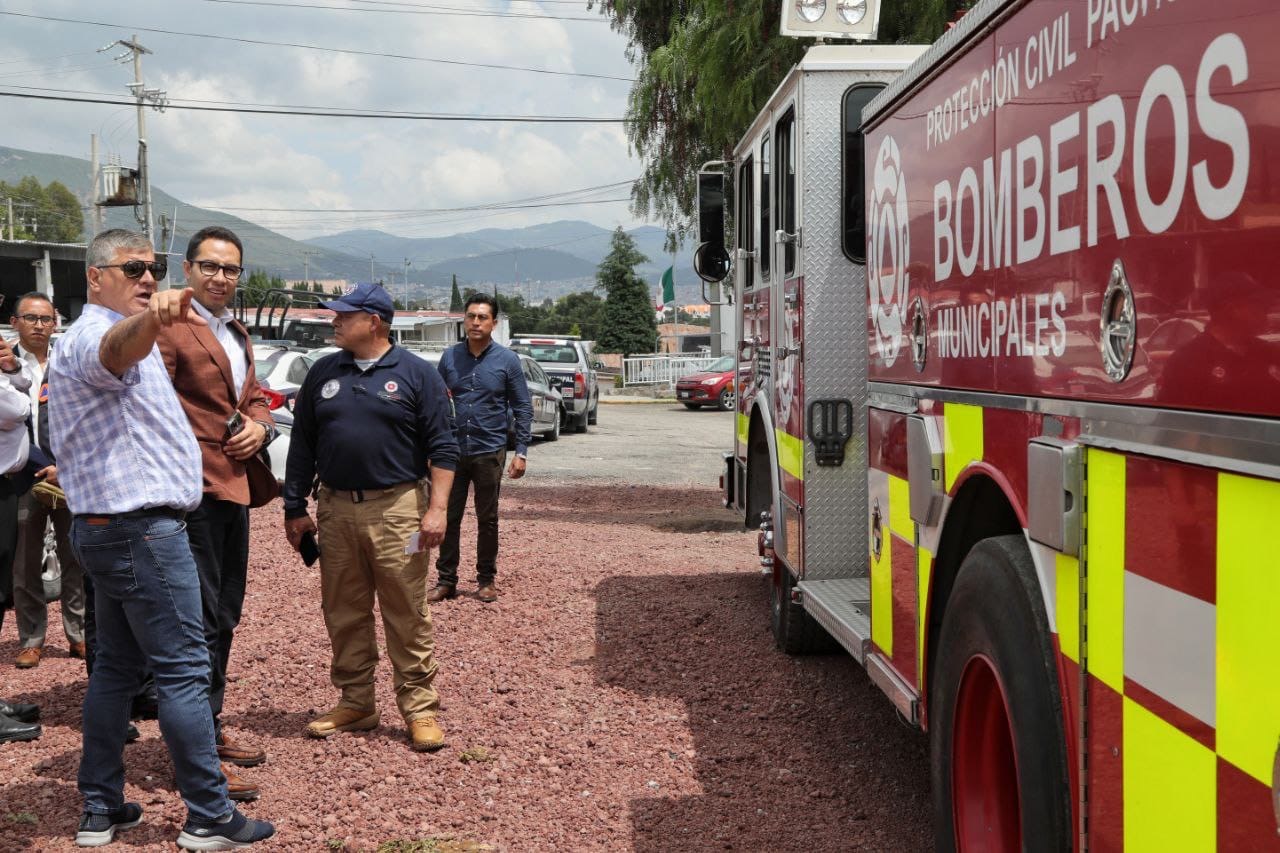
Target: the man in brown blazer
(212, 371)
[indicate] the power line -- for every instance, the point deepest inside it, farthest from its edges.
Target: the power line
(343, 50)
(324, 113)
(487, 205)
(448, 11)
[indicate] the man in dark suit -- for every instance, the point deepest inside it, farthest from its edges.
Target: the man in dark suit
(212, 370)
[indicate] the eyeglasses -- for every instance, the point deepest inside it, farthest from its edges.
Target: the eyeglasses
(473, 317)
(38, 319)
(135, 269)
(209, 268)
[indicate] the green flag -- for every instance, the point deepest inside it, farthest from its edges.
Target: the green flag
(669, 286)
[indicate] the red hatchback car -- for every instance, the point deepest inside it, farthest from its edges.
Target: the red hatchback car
(710, 387)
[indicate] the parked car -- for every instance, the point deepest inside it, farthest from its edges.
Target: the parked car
(280, 371)
(548, 407)
(569, 364)
(278, 450)
(710, 387)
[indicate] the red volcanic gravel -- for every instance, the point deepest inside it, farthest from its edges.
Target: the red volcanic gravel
(624, 694)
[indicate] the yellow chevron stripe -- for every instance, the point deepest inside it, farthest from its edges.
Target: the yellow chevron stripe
(1104, 493)
(744, 428)
(1067, 610)
(963, 438)
(1170, 786)
(924, 573)
(790, 454)
(1248, 625)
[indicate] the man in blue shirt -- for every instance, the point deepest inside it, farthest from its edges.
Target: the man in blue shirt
(486, 380)
(369, 420)
(130, 467)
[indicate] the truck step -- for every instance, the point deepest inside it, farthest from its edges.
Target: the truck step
(843, 607)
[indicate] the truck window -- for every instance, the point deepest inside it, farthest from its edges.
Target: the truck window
(746, 202)
(786, 208)
(766, 199)
(854, 209)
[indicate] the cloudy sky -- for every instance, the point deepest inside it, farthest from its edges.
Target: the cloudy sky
(287, 172)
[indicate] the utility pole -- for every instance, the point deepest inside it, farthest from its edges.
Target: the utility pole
(407, 263)
(371, 279)
(306, 267)
(10, 219)
(141, 95)
(93, 184)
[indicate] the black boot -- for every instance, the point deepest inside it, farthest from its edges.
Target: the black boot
(13, 730)
(23, 712)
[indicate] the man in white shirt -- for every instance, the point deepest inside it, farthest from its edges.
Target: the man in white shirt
(35, 320)
(15, 406)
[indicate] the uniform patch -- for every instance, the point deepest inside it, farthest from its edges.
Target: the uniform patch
(330, 389)
(391, 387)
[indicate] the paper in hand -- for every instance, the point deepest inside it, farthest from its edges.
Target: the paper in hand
(416, 544)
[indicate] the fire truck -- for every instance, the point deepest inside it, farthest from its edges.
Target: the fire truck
(1008, 419)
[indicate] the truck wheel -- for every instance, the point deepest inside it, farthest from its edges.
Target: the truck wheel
(998, 751)
(580, 423)
(595, 412)
(725, 401)
(794, 630)
(555, 430)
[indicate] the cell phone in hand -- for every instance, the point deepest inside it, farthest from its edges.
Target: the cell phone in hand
(309, 548)
(235, 423)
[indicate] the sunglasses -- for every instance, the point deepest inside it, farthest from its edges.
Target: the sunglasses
(135, 269)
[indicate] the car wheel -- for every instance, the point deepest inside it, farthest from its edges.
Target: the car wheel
(554, 434)
(580, 424)
(595, 412)
(691, 405)
(725, 401)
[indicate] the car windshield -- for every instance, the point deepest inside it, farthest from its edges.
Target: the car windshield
(721, 365)
(266, 361)
(549, 353)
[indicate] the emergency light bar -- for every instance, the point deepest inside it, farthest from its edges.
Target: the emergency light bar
(841, 19)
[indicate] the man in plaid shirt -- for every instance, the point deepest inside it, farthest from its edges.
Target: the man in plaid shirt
(131, 469)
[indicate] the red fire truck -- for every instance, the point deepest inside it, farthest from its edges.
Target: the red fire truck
(1008, 415)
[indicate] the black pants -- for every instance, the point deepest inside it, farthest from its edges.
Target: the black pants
(485, 472)
(8, 542)
(219, 535)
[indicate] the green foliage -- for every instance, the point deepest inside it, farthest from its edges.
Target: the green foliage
(316, 287)
(49, 213)
(455, 298)
(628, 309)
(255, 286)
(705, 68)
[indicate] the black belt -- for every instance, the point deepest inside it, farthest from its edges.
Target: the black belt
(145, 512)
(357, 496)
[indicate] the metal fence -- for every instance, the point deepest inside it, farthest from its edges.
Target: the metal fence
(662, 369)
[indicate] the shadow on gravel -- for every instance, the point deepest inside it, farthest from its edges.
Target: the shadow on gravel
(671, 509)
(791, 753)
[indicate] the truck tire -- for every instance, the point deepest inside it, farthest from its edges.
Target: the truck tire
(595, 412)
(580, 422)
(998, 751)
(794, 630)
(554, 435)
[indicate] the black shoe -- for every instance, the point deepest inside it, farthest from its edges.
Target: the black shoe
(145, 706)
(21, 711)
(97, 830)
(235, 832)
(15, 730)
(131, 734)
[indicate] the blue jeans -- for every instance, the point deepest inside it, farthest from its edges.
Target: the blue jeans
(147, 598)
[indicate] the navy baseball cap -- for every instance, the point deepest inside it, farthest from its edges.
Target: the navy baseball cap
(370, 298)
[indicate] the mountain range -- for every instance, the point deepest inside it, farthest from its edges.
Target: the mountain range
(538, 261)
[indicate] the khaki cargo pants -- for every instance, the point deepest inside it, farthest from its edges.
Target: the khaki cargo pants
(362, 553)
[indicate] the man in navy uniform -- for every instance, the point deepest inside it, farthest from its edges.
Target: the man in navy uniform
(373, 421)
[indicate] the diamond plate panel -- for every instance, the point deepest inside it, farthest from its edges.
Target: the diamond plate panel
(835, 318)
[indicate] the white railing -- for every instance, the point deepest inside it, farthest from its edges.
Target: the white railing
(662, 369)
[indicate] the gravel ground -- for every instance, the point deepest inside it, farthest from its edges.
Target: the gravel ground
(623, 695)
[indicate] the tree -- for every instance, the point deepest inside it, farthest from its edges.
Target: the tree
(455, 298)
(628, 311)
(705, 68)
(47, 213)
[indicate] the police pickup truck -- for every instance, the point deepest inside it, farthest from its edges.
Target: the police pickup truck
(569, 364)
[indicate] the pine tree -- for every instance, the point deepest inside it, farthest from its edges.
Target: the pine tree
(628, 312)
(455, 298)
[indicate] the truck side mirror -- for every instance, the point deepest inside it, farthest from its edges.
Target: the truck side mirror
(711, 259)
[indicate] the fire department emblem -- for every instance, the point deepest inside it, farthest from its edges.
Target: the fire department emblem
(888, 250)
(330, 389)
(391, 386)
